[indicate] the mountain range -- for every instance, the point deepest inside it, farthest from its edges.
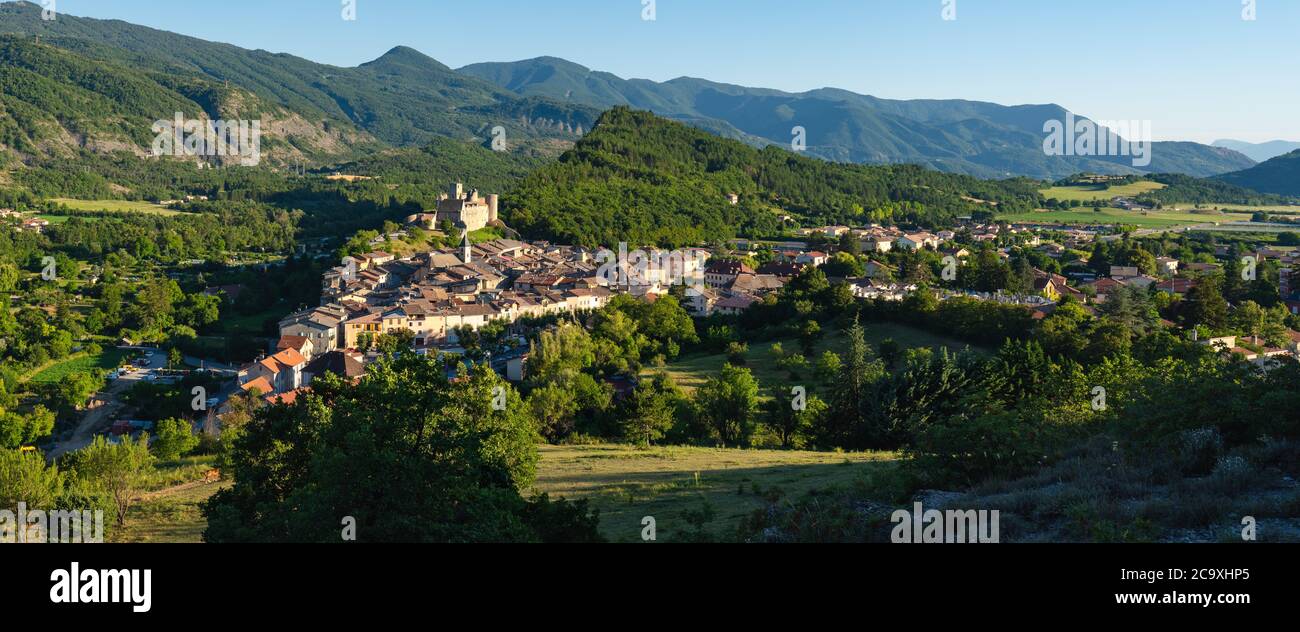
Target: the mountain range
(971, 137)
(79, 84)
(1259, 152)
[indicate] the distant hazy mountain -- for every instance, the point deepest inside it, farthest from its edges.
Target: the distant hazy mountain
(1280, 175)
(983, 139)
(78, 83)
(1259, 152)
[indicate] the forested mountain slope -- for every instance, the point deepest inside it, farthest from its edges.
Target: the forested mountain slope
(401, 99)
(642, 179)
(1279, 175)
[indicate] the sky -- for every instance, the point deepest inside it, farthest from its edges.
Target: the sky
(1195, 68)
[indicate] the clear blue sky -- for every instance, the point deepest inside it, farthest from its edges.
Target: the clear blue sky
(1195, 68)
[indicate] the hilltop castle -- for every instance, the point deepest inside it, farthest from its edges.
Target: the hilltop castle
(469, 211)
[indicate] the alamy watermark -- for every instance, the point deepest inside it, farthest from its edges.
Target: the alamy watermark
(949, 272)
(38, 526)
(181, 137)
(1098, 402)
(75, 585)
(949, 10)
(931, 526)
(1084, 137)
(799, 399)
(499, 139)
(1249, 268)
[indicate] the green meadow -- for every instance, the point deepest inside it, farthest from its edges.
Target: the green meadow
(115, 206)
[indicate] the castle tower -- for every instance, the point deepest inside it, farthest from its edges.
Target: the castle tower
(493, 202)
(456, 191)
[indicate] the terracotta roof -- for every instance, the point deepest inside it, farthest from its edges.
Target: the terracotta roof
(260, 384)
(338, 363)
(1177, 286)
(297, 343)
(1105, 286)
(285, 359)
(728, 267)
(756, 283)
(736, 302)
(781, 269)
(286, 398)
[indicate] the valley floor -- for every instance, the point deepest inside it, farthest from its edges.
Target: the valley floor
(690, 491)
(669, 483)
(697, 494)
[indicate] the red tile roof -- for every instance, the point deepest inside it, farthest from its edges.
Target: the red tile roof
(297, 343)
(260, 384)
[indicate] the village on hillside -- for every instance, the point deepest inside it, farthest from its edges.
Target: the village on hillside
(435, 300)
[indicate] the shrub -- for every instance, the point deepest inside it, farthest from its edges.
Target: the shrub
(736, 353)
(1198, 450)
(173, 439)
(1232, 474)
(964, 453)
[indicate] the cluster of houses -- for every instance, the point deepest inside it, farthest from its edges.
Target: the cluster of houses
(1265, 357)
(438, 295)
(876, 238)
(732, 286)
(1288, 271)
(23, 222)
(308, 347)
(1170, 276)
(188, 198)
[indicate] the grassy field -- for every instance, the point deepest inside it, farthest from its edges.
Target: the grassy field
(1089, 193)
(671, 483)
(169, 517)
(1172, 214)
(168, 511)
(1143, 219)
(1242, 208)
(115, 206)
(60, 219)
(625, 483)
(78, 363)
(691, 372)
(251, 324)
